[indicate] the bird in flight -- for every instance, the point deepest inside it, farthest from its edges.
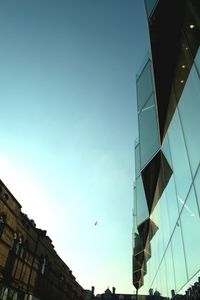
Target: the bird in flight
(95, 223)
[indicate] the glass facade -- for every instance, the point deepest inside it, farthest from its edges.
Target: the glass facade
(149, 144)
(150, 5)
(168, 154)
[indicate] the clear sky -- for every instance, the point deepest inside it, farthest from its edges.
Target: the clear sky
(68, 125)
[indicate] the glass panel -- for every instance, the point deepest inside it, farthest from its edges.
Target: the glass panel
(150, 271)
(171, 203)
(144, 85)
(166, 150)
(190, 117)
(197, 60)
(190, 284)
(142, 209)
(150, 4)
(191, 227)
(134, 211)
(160, 281)
(181, 169)
(163, 279)
(157, 284)
(148, 130)
(157, 253)
(169, 271)
(179, 259)
(197, 187)
(160, 217)
(137, 160)
(191, 27)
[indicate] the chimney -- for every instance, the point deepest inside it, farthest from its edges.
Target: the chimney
(113, 290)
(93, 290)
(173, 293)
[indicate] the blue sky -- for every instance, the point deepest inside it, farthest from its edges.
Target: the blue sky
(68, 125)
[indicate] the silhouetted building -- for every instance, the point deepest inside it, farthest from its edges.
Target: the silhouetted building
(166, 244)
(30, 268)
(112, 295)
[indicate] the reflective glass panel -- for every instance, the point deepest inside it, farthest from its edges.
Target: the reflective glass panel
(150, 270)
(191, 227)
(162, 221)
(148, 131)
(171, 203)
(197, 188)
(134, 212)
(181, 168)
(150, 4)
(142, 209)
(197, 60)
(137, 160)
(189, 107)
(170, 276)
(144, 85)
(157, 251)
(163, 279)
(179, 259)
(166, 150)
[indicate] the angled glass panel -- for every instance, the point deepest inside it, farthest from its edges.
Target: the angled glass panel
(172, 204)
(148, 131)
(197, 188)
(155, 177)
(137, 160)
(134, 211)
(157, 252)
(144, 85)
(161, 214)
(166, 150)
(179, 258)
(142, 209)
(163, 279)
(181, 167)
(170, 276)
(150, 5)
(191, 26)
(189, 107)
(190, 223)
(138, 245)
(197, 61)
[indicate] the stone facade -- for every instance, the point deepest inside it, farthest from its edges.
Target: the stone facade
(30, 268)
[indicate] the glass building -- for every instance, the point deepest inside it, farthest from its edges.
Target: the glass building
(166, 212)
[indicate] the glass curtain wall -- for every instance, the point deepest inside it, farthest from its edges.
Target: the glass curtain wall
(175, 247)
(175, 190)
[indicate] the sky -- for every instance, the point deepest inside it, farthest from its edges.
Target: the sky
(68, 124)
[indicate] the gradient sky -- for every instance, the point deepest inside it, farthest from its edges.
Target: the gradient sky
(68, 125)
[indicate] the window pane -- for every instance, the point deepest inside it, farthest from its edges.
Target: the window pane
(166, 150)
(137, 160)
(172, 205)
(181, 169)
(157, 251)
(190, 117)
(144, 85)
(142, 210)
(179, 259)
(169, 271)
(150, 4)
(197, 187)
(163, 279)
(160, 217)
(148, 131)
(191, 227)
(197, 60)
